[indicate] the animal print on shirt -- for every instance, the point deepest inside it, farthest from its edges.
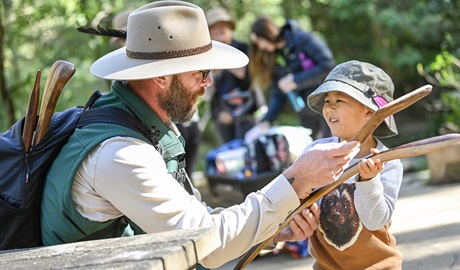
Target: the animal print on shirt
(339, 221)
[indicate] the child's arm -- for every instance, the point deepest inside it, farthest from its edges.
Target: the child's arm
(375, 198)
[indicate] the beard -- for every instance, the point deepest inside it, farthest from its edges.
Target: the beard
(180, 103)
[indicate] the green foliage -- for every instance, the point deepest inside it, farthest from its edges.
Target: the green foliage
(37, 33)
(444, 72)
(451, 113)
(395, 35)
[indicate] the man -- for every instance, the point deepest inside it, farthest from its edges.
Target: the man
(189, 130)
(105, 172)
(225, 94)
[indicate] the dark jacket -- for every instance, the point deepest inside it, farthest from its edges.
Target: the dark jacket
(299, 44)
(225, 82)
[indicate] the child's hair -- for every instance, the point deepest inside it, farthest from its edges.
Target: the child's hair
(364, 82)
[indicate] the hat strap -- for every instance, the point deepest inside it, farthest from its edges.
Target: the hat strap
(168, 54)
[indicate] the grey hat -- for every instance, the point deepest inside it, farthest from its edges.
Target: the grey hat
(366, 83)
(219, 14)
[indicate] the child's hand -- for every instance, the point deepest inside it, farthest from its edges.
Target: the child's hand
(369, 168)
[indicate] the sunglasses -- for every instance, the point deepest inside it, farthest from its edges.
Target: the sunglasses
(205, 74)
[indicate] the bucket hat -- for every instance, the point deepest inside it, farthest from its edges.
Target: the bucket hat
(364, 82)
(166, 38)
(219, 14)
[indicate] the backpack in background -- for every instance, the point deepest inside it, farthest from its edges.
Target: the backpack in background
(240, 159)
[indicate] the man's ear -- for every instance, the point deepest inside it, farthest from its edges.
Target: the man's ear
(163, 81)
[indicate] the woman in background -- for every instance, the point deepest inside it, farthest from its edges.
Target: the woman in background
(288, 62)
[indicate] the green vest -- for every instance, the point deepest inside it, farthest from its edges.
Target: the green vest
(60, 220)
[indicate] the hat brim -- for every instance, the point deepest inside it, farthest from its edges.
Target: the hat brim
(316, 102)
(118, 66)
(230, 23)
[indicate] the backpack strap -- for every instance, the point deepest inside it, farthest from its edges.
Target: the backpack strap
(115, 116)
(89, 104)
(182, 177)
(110, 115)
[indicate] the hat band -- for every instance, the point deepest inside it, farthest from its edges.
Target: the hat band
(168, 54)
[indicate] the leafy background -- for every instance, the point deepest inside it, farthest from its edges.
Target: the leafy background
(405, 38)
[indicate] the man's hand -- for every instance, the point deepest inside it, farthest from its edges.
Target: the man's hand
(319, 166)
(301, 227)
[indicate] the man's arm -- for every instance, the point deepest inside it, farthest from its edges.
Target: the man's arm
(131, 184)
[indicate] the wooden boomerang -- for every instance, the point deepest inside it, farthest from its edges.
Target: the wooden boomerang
(30, 120)
(376, 119)
(60, 73)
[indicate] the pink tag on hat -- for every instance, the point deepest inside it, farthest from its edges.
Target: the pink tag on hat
(380, 103)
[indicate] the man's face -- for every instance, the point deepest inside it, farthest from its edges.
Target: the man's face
(181, 101)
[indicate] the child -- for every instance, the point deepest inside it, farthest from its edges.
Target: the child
(353, 231)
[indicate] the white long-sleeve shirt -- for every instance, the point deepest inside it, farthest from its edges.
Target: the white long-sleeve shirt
(126, 176)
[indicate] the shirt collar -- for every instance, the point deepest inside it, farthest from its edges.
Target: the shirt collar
(140, 109)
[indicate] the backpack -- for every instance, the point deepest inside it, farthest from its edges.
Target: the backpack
(22, 174)
(240, 159)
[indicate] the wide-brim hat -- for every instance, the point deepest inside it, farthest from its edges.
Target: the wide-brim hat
(166, 38)
(364, 82)
(219, 14)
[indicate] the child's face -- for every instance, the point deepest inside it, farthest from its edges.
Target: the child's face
(344, 115)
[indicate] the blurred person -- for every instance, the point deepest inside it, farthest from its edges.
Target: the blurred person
(353, 230)
(119, 22)
(100, 178)
(225, 94)
(289, 63)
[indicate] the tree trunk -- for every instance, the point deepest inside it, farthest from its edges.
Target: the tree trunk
(7, 102)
